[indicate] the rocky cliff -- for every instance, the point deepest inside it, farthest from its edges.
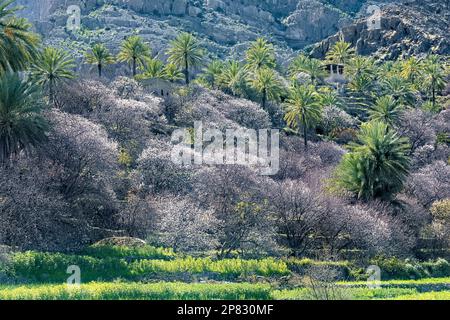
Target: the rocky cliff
(227, 25)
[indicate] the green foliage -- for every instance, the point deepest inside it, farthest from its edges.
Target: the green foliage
(144, 252)
(377, 165)
(107, 264)
(267, 84)
(234, 78)
(312, 67)
(211, 74)
(18, 45)
(99, 56)
(154, 68)
(138, 291)
(185, 52)
(400, 89)
(261, 54)
(303, 108)
(341, 52)
(387, 110)
(22, 125)
(135, 52)
(434, 76)
(53, 67)
(172, 73)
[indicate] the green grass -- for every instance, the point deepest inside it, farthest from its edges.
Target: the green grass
(145, 252)
(441, 295)
(34, 267)
(137, 291)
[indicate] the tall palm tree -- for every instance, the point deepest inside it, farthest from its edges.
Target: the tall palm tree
(377, 165)
(341, 52)
(18, 45)
(234, 78)
(434, 76)
(21, 124)
(212, 73)
(303, 108)
(412, 69)
(312, 67)
(267, 84)
(185, 52)
(99, 56)
(134, 51)
(261, 54)
(172, 73)
(51, 68)
(387, 110)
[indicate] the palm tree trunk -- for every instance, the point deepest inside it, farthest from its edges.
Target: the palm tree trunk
(99, 70)
(134, 67)
(305, 131)
(186, 69)
(434, 96)
(51, 94)
(264, 99)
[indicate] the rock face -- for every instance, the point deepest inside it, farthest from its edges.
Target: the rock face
(412, 28)
(227, 25)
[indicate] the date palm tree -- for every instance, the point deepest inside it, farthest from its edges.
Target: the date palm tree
(312, 67)
(185, 52)
(99, 56)
(341, 52)
(261, 54)
(18, 45)
(212, 73)
(434, 76)
(377, 166)
(134, 51)
(387, 110)
(267, 84)
(22, 125)
(172, 73)
(412, 69)
(234, 78)
(360, 65)
(52, 67)
(303, 108)
(399, 88)
(154, 68)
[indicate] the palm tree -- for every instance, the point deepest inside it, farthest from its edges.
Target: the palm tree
(360, 65)
(185, 53)
(234, 78)
(267, 84)
(99, 56)
(312, 67)
(434, 76)
(172, 73)
(377, 166)
(399, 88)
(154, 68)
(303, 108)
(387, 110)
(18, 46)
(134, 51)
(411, 69)
(21, 124)
(212, 73)
(261, 54)
(341, 52)
(51, 68)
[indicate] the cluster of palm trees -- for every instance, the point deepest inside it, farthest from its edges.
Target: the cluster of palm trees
(378, 91)
(183, 54)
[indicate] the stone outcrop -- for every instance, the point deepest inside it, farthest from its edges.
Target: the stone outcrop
(226, 26)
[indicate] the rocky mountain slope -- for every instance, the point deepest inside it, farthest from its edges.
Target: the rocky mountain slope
(226, 26)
